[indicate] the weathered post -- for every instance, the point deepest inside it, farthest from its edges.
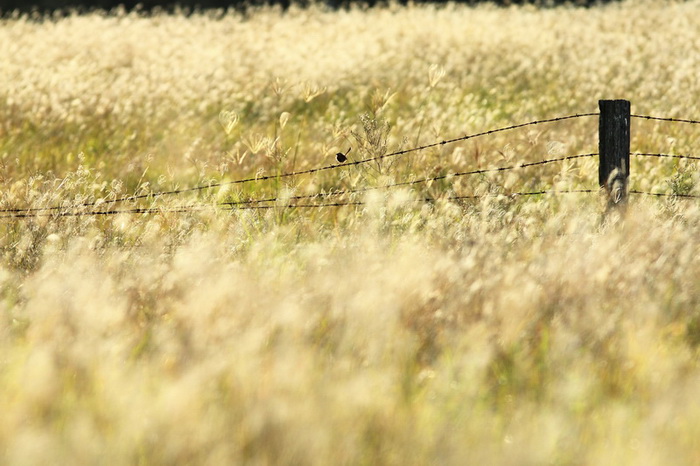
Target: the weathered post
(614, 149)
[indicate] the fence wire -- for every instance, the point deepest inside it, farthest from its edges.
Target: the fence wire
(672, 156)
(412, 182)
(84, 213)
(76, 210)
(677, 120)
(135, 197)
(251, 206)
(429, 200)
(673, 195)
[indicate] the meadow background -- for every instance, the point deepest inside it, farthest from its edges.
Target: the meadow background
(502, 330)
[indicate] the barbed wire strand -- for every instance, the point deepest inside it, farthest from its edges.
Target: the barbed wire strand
(682, 196)
(426, 200)
(407, 183)
(333, 193)
(78, 213)
(302, 172)
(199, 208)
(673, 156)
(202, 207)
(678, 120)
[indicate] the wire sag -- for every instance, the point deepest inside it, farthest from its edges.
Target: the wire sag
(135, 197)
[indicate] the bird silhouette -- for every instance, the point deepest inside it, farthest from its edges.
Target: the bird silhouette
(340, 157)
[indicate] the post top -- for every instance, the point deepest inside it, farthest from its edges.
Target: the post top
(614, 103)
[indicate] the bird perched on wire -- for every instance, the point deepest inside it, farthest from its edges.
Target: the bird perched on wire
(341, 158)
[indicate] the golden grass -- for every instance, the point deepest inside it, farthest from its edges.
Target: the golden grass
(502, 331)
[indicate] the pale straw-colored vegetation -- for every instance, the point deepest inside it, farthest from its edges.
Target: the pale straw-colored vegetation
(504, 330)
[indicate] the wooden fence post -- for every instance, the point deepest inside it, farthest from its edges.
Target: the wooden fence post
(614, 149)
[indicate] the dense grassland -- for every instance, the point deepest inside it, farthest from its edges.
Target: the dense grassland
(502, 330)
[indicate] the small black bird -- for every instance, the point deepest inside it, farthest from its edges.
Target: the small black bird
(340, 157)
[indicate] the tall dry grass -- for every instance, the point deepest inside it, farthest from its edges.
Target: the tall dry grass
(499, 331)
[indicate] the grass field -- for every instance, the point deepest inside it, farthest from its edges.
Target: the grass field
(503, 330)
